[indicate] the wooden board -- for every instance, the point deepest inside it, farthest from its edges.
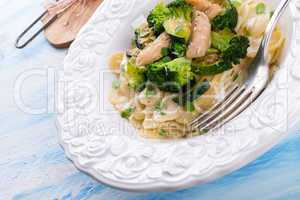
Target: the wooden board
(63, 30)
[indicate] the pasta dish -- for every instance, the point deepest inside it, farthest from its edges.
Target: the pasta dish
(183, 58)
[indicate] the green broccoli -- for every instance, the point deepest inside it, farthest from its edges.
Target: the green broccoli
(237, 49)
(221, 39)
(157, 74)
(227, 19)
(179, 8)
(135, 75)
(175, 18)
(179, 23)
(172, 75)
(182, 67)
(158, 16)
(177, 3)
(178, 47)
(233, 47)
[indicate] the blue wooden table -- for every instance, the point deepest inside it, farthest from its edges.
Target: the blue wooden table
(33, 165)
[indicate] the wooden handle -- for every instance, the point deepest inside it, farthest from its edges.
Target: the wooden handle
(63, 31)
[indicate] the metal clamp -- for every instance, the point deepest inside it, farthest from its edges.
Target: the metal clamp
(20, 46)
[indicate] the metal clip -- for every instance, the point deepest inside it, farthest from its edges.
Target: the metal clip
(20, 46)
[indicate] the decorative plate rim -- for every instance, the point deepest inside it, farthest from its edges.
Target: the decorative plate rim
(85, 150)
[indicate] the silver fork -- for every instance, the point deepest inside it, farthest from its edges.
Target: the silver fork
(241, 96)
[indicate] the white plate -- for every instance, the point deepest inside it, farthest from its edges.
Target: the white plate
(105, 146)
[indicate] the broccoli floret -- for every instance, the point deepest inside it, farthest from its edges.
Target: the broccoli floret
(227, 19)
(232, 49)
(177, 3)
(158, 75)
(161, 76)
(179, 8)
(182, 67)
(178, 47)
(158, 16)
(167, 16)
(178, 27)
(172, 75)
(237, 49)
(135, 75)
(221, 39)
(179, 23)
